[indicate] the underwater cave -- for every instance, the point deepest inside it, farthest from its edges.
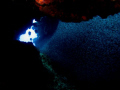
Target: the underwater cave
(60, 44)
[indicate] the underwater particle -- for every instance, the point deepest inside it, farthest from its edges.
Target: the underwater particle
(34, 21)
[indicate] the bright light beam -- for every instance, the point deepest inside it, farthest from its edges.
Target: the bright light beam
(29, 36)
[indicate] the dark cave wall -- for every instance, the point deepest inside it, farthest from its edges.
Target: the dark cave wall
(21, 67)
(17, 16)
(78, 10)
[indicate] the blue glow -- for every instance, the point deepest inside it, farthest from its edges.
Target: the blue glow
(28, 37)
(34, 21)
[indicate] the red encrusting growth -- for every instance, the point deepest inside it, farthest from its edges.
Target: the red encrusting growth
(78, 10)
(42, 2)
(84, 18)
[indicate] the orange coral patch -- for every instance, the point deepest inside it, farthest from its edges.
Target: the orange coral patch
(41, 2)
(84, 18)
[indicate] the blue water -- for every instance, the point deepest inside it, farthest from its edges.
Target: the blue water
(89, 49)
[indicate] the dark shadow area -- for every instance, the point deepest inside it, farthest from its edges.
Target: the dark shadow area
(21, 67)
(20, 63)
(111, 81)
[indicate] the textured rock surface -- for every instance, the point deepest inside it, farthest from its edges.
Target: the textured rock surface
(78, 10)
(87, 51)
